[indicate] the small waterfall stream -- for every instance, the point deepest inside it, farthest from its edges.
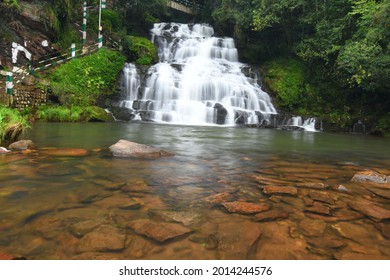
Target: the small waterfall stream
(198, 81)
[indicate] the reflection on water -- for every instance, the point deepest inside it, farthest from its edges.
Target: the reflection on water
(99, 207)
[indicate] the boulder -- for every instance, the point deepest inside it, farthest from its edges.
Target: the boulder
(22, 145)
(370, 176)
(127, 149)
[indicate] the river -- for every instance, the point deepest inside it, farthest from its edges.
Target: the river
(94, 206)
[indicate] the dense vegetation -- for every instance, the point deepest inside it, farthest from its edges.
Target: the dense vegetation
(12, 124)
(343, 46)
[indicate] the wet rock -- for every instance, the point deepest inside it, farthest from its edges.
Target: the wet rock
(64, 152)
(4, 256)
(185, 218)
(121, 202)
(276, 190)
(235, 240)
(90, 197)
(264, 180)
(272, 215)
(58, 170)
(49, 227)
(317, 186)
(218, 199)
(4, 151)
(319, 208)
(326, 242)
(158, 231)
(105, 238)
(354, 232)
(321, 196)
(342, 188)
(370, 176)
(108, 183)
(132, 205)
(22, 145)
(340, 215)
(246, 208)
(129, 149)
(138, 246)
(138, 186)
(82, 228)
(358, 256)
(312, 228)
(384, 229)
(380, 192)
(369, 209)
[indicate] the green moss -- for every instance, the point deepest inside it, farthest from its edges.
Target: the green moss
(12, 124)
(72, 114)
(141, 50)
(83, 80)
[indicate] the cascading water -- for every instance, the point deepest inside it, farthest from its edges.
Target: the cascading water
(198, 81)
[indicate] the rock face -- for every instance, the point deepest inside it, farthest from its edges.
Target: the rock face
(370, 177)
(21, 145)
(158, 231)
(129, 149)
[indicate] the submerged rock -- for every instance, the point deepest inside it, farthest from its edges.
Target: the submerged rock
(129, 149)
(370, 176)
(371, 210)
(271, 190)
(312, 228)
(245, 207)
(65, 152)
(158, 231)
(272, 215)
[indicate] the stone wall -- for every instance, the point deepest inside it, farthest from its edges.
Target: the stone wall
(28, 96)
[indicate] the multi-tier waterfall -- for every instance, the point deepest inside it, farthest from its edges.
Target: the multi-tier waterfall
(198, 81)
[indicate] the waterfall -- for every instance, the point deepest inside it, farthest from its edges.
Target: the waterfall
(298, 122)
(198, 81)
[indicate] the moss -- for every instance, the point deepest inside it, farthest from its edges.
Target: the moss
(141, 50)
(12, 124)
(82, 81)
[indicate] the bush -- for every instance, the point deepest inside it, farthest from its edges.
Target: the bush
(12, 124)
(83, 80)
(111, 21)
(72, 114)
(140, 50)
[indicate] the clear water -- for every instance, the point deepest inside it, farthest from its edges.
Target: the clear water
(42, 197)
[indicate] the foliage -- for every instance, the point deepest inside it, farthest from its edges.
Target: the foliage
(111, 20)
(140, 50)
(83, 80)
(72, 114)
(12, 124)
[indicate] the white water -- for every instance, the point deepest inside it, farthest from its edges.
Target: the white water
(198, 81)
(308, 124)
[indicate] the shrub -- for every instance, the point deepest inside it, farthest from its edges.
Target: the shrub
(140, 50)
(12, 124)
(72, 114)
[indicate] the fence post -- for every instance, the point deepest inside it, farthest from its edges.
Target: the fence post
(73, 47)
(104, 4)
(85, 23)
(9, 85)
(100, 37)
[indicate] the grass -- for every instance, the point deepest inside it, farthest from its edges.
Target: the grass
(12, 124)
(72, 114)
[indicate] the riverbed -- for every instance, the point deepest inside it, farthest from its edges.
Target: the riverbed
(214, 199)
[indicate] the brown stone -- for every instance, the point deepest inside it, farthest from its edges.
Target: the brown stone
(369, 209)
(268, 181)
(235, 240)
(312, 228)
(158, 231)
(245, 207)
(183, 217)
(64, 152)
(105, 238)
(355, 232)
(384, 229)
(317, 186)
(326, 242)
(276, 190)
(272, 215)
(319, 208)
(358, 256)
(321, 196)
(219, 198)
(82, 228)
(380, 192)
(4, 256)
(340, 215)
(129, 149)
(370, 176)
